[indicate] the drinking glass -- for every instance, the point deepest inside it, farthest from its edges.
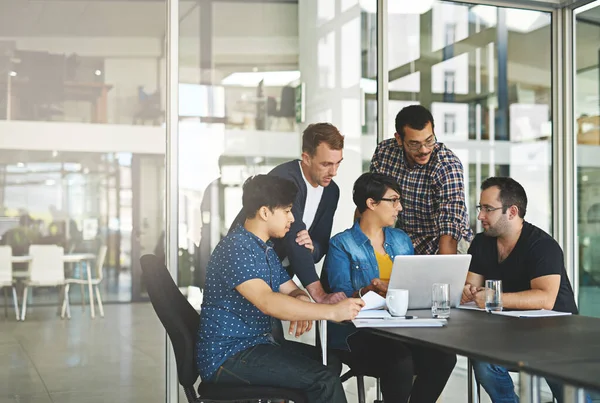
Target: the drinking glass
(440, 301)
(493, 295)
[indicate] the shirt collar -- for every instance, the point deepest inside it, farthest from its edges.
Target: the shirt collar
(358, 234)
(244, 232)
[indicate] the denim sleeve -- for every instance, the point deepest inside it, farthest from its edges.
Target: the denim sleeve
(337, 267)
(402, 244)
(409, 247)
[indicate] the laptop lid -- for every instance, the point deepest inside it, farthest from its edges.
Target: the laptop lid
(417, 273)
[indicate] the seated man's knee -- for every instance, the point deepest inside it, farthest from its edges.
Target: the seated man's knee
(329, 379)
(484, 371)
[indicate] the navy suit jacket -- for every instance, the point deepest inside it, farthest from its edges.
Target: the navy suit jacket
(302, 261)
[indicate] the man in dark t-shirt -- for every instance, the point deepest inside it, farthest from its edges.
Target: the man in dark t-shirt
(530, 264)
(534, 256)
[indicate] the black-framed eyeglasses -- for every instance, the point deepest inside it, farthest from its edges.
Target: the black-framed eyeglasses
(394, 201)
(487, 209)
(417, 146)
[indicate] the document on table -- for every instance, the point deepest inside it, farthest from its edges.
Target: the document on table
(373, 301)
(373, 314)
(471, 306)
(399, 322)
(536, 313)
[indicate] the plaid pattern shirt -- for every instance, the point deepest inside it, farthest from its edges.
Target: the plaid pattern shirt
(433, 195)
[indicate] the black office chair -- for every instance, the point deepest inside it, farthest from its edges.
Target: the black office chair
(181, 323)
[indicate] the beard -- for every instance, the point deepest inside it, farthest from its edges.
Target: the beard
(498, 228)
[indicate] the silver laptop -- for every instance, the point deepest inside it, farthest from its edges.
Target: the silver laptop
(419, 272)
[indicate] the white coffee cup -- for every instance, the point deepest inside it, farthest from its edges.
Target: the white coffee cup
(397, 302)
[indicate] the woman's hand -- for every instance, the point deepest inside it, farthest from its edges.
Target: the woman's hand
(377, 285)
(380, 286)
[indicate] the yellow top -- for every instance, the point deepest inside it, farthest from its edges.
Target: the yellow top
(385, 265)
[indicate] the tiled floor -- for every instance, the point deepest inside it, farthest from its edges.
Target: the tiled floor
(119, 358)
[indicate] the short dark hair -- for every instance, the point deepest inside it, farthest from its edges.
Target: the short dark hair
(269, 191)
(318, 133)
(372, 186)
(414, 116)
(511, 193)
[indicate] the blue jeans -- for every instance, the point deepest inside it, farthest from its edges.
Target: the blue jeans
(287, 365)
(498, 384)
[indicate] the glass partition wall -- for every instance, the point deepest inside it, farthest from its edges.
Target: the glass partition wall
(485, 73)
(586, 126)
(82, 134)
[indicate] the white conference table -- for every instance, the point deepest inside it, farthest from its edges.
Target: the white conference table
(68, 258)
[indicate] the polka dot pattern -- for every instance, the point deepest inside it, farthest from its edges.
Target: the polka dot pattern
(229, 323)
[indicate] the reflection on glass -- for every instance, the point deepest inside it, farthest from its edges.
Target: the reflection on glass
(81, 138)
(587, 131)
(260, 68)
(484, 72)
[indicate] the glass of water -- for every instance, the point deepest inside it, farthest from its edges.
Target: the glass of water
(440, 301)
(493, 295)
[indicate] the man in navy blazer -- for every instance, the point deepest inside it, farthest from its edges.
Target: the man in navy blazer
(307, 241)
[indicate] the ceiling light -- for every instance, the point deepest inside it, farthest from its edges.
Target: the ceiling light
(97, 72)
(271, 78)
(517, 20)
(54, 153)
(13, 73)
(20, 164)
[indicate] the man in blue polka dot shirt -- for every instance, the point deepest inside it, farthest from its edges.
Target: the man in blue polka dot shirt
(246, 286)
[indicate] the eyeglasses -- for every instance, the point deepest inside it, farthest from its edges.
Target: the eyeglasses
(487, 209)
(394, 201)
(417, 146)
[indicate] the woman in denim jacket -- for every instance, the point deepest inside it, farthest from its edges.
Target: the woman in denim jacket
(360, 260)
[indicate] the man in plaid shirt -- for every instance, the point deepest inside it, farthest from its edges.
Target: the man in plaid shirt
(431, 179)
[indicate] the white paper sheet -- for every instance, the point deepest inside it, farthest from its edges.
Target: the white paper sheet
(399, 322)
(470, 305)
(536, 313)
(373, 314)
(373, 301)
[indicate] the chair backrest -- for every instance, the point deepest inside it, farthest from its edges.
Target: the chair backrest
(47, 266)
(100, 261)
(5, 265)
(178, 317)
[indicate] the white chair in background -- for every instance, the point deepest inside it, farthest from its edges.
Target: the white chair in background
(6, 278)
(45, 270)
(96, 279)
